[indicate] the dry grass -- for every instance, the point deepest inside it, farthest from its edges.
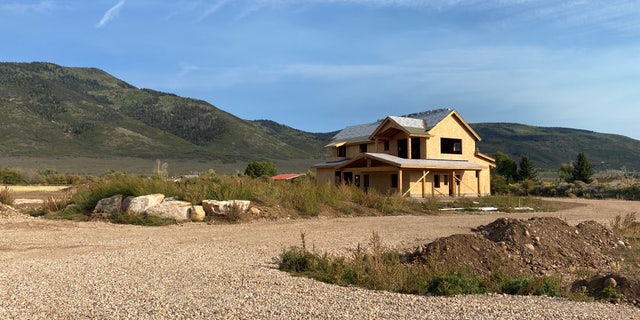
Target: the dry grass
(35, 189)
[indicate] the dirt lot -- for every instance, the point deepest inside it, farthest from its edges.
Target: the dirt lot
(62, 269)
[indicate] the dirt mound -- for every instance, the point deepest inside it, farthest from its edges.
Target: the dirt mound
(474, 252)
(549, 245)
(539, 246)
(10, 214)
(626, 287)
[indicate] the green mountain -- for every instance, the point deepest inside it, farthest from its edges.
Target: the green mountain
(548, 148)
(53, 112)
(49, 110)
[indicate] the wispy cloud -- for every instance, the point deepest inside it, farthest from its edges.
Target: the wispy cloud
(212, 8)
(23, 7)
(186, 68)
(111, 14)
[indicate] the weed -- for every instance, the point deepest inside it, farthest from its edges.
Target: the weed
(138, 219)
(7, 196)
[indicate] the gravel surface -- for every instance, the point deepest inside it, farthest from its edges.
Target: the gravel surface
(68, 270)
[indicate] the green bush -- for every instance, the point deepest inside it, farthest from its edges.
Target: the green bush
(138, 219)
(295, 260)
(456, 282)
(548, 286)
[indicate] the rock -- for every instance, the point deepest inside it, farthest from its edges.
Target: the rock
(178, 210)
(125, 203)
(242, 205)
(142, 203)
(254, 211)
(212, 207)
(209, 206)
(609, 283)
(530, 247)
(111, 205)
(197, 213)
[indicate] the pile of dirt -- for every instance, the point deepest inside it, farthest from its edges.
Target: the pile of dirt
(10, 214)
(538, 246)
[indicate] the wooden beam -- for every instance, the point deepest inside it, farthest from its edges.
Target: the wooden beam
(408, 147)
(424, 174)
(372, 169)
(424, 183)
(400, 181)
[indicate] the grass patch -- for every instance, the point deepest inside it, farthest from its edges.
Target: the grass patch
(379, 268)
(141, 220)
(7, 196)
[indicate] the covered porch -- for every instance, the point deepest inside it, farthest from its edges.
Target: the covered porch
(389, 174)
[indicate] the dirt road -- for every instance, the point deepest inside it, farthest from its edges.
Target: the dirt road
(61, 269)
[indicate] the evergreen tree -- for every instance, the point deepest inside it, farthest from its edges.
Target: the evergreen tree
(527, 170)
(582, 169)
(506, 167)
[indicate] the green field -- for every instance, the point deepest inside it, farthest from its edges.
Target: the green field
(177, 167)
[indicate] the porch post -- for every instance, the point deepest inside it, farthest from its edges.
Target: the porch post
(408, 147)
(479, 184)
(424, 183)
(452, 183)
(400, 181)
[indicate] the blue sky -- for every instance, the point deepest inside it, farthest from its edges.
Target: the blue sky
(320, 65)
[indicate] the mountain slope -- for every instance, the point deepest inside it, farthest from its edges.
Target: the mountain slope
(548, 148)
(50, 110)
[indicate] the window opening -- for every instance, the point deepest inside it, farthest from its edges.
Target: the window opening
(451, 146)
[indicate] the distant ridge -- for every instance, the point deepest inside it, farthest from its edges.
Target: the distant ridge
(49, 110)
(53, 111)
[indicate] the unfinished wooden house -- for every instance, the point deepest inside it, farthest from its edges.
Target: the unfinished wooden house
(424, 154)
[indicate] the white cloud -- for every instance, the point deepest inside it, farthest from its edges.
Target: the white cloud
(111, 14)
(186, 68)
(22, 7)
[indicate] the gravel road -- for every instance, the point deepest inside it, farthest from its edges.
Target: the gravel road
(68, 270)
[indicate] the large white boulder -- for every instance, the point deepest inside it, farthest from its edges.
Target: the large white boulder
(220, 207)
(142, 203)
(197, 213)
(178, 210)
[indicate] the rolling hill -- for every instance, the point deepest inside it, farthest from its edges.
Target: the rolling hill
(54, 112)
(548, 148)
(49, 110)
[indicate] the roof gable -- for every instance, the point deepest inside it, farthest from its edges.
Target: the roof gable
(456, 116)
(415, 123)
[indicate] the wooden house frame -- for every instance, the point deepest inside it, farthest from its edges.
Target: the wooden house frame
(430, 153)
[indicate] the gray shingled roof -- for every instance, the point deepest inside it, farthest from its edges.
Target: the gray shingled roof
(422, 120)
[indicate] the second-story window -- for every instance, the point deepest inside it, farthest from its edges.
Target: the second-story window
(363, 148)
(386, 145)
(451, 146)
(342, 151)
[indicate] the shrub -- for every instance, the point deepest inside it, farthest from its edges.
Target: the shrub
(138, 219)
(6, 196)
(548, 286)
(257, 169)
(296, 260)
(456, 282)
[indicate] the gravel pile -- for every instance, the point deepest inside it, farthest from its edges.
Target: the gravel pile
(67, 270)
